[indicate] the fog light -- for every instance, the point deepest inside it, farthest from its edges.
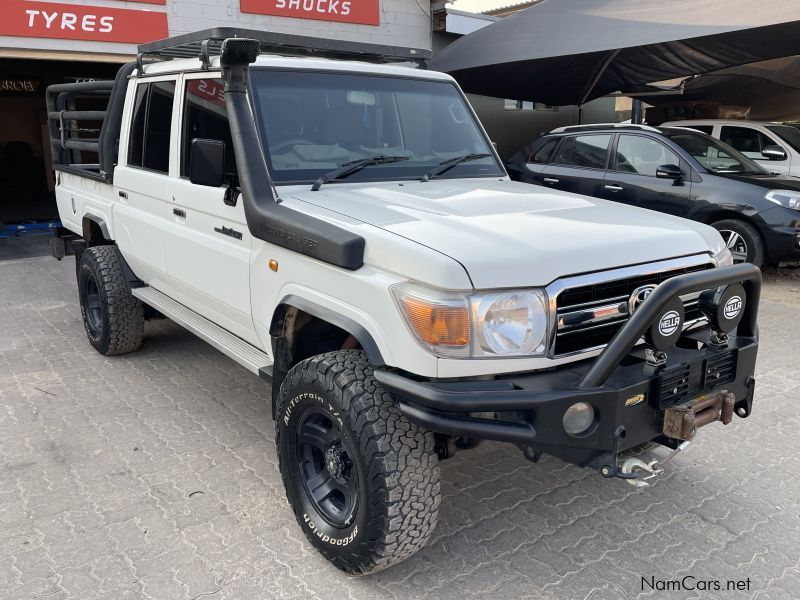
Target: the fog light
(723, 306)
(578, 418)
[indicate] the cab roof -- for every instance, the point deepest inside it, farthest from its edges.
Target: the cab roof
(182, 65)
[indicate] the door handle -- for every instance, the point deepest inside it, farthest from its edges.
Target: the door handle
(613, 188)
(550, 180)
(179, 212)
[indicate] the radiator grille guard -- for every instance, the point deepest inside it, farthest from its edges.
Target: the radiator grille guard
(588, 315)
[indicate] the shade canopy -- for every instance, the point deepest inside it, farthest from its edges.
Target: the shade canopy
(770, 88)
(570, 51)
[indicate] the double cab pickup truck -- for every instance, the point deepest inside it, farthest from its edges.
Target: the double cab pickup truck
(333, 217)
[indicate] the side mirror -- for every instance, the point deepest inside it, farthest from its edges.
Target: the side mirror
(773, 152)
(207, 162)
(669, 172)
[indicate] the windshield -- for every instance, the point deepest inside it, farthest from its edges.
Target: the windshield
(314, 122)
(790, 135)
(714, 155)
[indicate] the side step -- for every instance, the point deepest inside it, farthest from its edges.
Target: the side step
(247, 355)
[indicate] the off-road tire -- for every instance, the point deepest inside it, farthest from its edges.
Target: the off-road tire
(112, 317)
(756, 253)
(395, 463)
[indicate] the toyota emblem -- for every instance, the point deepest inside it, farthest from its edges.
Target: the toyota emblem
(638, 296)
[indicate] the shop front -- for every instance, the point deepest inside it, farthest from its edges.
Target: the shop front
(43, 43)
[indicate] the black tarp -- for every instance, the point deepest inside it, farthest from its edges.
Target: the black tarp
(570, 51)
(770, 88)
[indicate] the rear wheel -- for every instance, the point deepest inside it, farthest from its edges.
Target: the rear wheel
(743, 240)
(362, 480)
(112, 317)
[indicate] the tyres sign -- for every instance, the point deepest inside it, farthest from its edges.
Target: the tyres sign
(366, 12)
(81, 22)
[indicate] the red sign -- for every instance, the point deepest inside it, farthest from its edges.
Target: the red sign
(147, 1)
(81, 22)
(345, 11)
(211, 90)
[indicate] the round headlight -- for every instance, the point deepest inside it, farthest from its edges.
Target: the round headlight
(724, 306)
(578, 418)
(512, 322)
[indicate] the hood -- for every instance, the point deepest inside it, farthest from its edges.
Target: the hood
(510, 234)
(770, 182)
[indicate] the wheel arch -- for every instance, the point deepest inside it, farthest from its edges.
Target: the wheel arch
(95, 231)
(320, 330)
(325, 315)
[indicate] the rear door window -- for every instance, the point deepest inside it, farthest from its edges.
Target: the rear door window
(588, 151)
(544, 152)
(149, 143)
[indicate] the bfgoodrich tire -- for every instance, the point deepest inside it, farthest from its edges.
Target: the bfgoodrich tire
(362, 480)
(112, 317)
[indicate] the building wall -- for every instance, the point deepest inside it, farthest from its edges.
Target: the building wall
(402, 23)
(511, 130)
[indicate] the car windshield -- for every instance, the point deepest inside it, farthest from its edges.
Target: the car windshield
(314, 122)
(714, 155)
(790, 135)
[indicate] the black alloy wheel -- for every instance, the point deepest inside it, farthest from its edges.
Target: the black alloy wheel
(325, 466)
(94, 305)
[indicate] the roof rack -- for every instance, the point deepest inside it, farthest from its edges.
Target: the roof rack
(205, 44)
(597, 126)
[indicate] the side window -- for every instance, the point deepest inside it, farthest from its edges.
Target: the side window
(149, 142)
(136, 141)
(544, 152)
(642, 155)
(584, 151)
(204, 116)
(746, 140)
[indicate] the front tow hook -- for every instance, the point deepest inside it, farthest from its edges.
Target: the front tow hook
(634, 470)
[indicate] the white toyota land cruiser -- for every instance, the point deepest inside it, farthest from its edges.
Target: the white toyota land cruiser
(342, 227)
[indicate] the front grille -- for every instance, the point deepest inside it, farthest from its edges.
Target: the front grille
(574, 338)
(689, 380)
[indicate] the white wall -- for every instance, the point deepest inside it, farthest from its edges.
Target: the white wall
(403, 23)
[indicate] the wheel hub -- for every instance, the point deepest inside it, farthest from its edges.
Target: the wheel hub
(335, 461)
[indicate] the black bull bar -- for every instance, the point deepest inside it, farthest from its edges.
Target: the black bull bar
(529, 407)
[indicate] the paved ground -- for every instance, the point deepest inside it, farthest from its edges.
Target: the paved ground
(154, 476)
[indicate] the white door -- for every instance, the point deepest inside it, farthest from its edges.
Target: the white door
(208, 249)
(141, 180)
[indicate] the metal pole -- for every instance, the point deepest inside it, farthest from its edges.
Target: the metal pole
(637, 111)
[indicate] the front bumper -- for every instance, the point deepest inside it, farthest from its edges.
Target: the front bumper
(780, 228)
(630, 396)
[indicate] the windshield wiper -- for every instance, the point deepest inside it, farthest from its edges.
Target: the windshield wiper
(354, 166)
(449, 164)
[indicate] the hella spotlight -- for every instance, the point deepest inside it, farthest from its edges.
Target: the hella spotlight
(663, 334)
(723, 306)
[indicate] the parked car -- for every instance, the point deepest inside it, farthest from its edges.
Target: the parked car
(343, 228)
(673, 170)
(773, 145)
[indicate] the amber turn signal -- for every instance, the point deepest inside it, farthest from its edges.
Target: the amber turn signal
(273, 264)
(435, 323)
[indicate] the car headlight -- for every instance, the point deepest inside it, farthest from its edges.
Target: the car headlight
(510, 323)
(507, 323)
(724, 258)
(786, 198)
